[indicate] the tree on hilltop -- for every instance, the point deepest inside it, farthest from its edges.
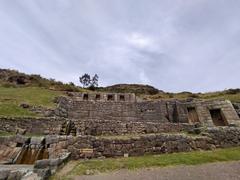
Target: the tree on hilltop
(87, 82)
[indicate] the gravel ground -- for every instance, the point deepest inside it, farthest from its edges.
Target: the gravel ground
(212, 171)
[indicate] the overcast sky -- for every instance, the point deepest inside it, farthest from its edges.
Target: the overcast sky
(174, 45)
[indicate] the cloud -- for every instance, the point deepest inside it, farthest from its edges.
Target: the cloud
(181, 46)
(139, 41)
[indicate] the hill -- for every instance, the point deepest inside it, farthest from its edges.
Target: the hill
(17, 88)
(138, 89)
(13, 78)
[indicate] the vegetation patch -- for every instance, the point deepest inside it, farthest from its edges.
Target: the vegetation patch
(232, 94)
(4, 133)
(11, 98)
(132, 163)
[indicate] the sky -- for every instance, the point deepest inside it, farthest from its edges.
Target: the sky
(174, 45)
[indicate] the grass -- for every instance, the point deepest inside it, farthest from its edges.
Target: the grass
(11, 98)
(132, 163)
(4, 133)
(129, 136)
(205, 96)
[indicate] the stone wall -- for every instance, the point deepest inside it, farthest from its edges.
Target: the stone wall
(91, 146)
(203, 107)
(97, 127)
(173, 111)
(134, 145)
(108, 127)
(32, 125)
(118, 118)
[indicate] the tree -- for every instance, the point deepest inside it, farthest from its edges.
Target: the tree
(85, 80)
(94, 81)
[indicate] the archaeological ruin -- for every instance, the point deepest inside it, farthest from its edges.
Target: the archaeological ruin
(93, 125)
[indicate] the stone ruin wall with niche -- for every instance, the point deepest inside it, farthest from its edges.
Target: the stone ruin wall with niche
(116, 114)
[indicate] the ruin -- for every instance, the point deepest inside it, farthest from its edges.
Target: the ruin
(128, 108)
(91, 125)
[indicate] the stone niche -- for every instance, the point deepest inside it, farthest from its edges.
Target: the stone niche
(110, 97)
(218, 117)
(192, 115)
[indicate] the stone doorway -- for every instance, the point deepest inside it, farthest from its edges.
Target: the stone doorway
(192, 115)
(218, 117)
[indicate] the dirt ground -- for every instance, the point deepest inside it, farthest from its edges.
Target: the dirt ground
(212, 171)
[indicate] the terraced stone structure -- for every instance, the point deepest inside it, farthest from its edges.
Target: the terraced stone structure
(99, 114)
(92, 125)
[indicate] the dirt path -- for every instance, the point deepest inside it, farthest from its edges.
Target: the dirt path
(212, 171)
(66, 169)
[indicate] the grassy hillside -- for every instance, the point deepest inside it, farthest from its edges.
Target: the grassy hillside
(12, 97)
(138, 89)
(12, 78)
(17, 88)
(231, 94)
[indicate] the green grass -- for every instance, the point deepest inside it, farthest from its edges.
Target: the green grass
(132, 163)
(11, 98)
(205, 96)
(4, 133)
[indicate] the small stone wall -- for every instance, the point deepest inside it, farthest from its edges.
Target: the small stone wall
(31, 124)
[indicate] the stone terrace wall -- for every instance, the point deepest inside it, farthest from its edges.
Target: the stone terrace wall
(92, 146)
(47, 126)
(108, 127)
(173, 111)
(32, 125)
(154, 144)
(147, 111)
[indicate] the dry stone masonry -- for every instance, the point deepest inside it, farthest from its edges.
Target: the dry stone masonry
(117, 113)
(94, 125)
